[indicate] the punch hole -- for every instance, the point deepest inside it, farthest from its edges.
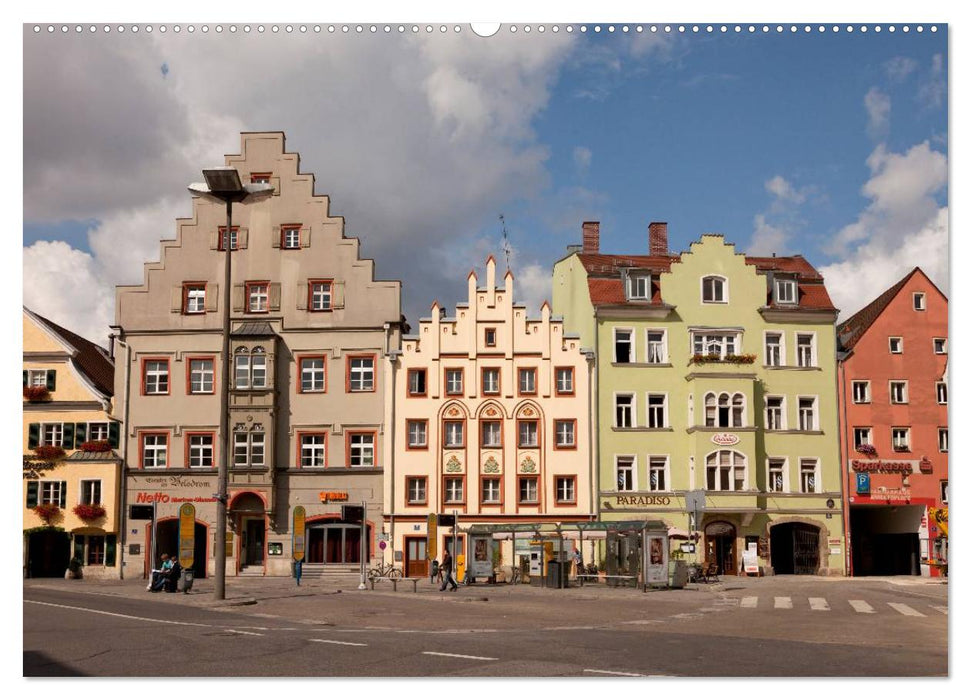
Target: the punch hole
(583, 28)
(161, 28)
(525, 29)
(64, 29)
(681, 29)
(513, 29)
(219, 29)
(177, 28)
(148, 28)
(120, 29)
(569, 27)
(36, 29)
(344, 29)
(556, 28)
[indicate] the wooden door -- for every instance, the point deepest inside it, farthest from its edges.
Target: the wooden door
(416, 557)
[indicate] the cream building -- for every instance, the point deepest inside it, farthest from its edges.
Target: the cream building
(491, 422)
(310, 328)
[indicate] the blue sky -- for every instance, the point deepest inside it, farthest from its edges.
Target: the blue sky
(833, 145)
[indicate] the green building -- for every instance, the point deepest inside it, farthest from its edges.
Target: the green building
(716, 373)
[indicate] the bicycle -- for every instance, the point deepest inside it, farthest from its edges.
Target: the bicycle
(384, 571)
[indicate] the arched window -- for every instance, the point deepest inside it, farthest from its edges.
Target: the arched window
(714, 290)
(725, 471)
(724, 412)
(711, 411)
(738, 410)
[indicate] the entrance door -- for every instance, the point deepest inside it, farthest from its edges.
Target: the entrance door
(720, 547)
(48, 554)
(795, 548)
(416, 557)
(253, 550)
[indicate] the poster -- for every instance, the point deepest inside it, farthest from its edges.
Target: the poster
(657, 560)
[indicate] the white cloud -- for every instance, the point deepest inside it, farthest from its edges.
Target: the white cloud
(773, 228)
(582, 157)
(933, 88)
(878, 113)
(784, 191)
(899, 67)
(766, 238)
(533, 285)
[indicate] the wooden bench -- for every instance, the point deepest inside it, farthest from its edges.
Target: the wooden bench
(395, 582)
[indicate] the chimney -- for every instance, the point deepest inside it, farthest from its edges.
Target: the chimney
(658, 237)
(591, 236)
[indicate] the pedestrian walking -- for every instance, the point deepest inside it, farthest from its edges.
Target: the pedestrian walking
(446, 570)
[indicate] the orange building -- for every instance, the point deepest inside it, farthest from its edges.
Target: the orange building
(894, 437)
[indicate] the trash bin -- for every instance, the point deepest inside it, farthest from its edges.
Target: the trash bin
(677, 573)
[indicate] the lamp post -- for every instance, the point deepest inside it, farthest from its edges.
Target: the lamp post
(223, 185)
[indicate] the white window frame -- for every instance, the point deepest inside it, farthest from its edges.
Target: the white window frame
(291, 238)
(900, 345)
(813, 356)
(943, 342)
(817, 486)
(362, 374)
(364, 450)
(532, 495)
(490, 495)
(920, 301)
(664, 484)
(782, 412)
(781, 348)
(321, 296)
(257, 298)
(37, 377)
(944, 491)
(156, 374)
(571, 433)
(633, 346)
(156, 449)
(526, 380)
(524, 423)
(941, 388)
(86, 498)
(199, 376)
(250, 369)
(454, 380)
(417, 433)
(733, 467)
(866, 390)
(722, 339)
(904, 386)
(313, 450)
(313, 379)
(652, 421)
(197, 451)
(103, 430)
(454, 429)
(942, 439)
(657, 352)
(49, 491)
(413, 375)
(633, 410)
(792, 289)
(815, 413)
(904, 431)
(633, 472)
(56, 438)
(195, 298)
(724, 289)
(638, 286)
(453, 488)
(770, 485)
(862, 436)
(566, 489)
(252, 443)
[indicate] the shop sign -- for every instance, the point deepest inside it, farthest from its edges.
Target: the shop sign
(329, 496)
(939, 516)
(177, 482)
(891, 495)
(725, 439)
(925, 466)
(299, 526)
(187, 535)
(159, 497)
(643, 500)
(862, 482)
(881, 467)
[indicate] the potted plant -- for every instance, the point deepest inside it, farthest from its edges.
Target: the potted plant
(89, 511)
(49, 453)
(47, 512)
(36, 393)
(74, 568)
(95, 446)
(866, 449)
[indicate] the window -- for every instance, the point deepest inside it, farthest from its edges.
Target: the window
(657, 473)
(777, 471)
(901, 439)
(201, 376)
(90, 492)
(861, 436)
(656, 410)
(200, 450)
(714, 290)
(724, 411)
(805, 357)
(257, 297)
(53, 492)
(623, 346)
(528, 433)
(638, 286)
(249, 449)
(417, 434)
(625, 473)
(566, 489)
(896, 345)
(809, 475)
(260, 178)
(491, 433)
(321, 295)
(940, 346)
(454, 433)
(453, 381)
(490, 337)
(289, 237)
(773, 349)
(527, 381)
(725, 471)
(528, 489)
(785, 291)
(942, 392)
(490, 491)
(656, 354)
(490, 381)
(155, 376)
(312, 375)
(362, 449)
(944, 493)
(565, 433)
(942, 439)
(920, 301)
(416, 382)
(564, 380)
(361, 373)
(37, 377)
(454, 491)
(233, 238)
(719, 344)
(898, 392)
(417, 490)
(313, 450)
(155, 450)
(861, 391)
(775, 413)
(98, 431)
(250, 368)
(194, 298)
(624, 411)
(52, 434)
(807, 413)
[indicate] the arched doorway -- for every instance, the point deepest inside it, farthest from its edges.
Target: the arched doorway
(48, 553)
(720, 546)
(249, 512)
(795, 548)
(167, 542)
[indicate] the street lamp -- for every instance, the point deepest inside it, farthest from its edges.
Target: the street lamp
(223, 185)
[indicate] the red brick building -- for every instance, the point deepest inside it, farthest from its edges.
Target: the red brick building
(894, 437)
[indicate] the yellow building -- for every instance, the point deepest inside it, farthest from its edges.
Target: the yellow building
(71, 472)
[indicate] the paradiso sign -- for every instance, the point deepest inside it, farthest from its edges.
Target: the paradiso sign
(643, 500)
(725, 439)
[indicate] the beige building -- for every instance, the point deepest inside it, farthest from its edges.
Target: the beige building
(310, 328)
(491, 422)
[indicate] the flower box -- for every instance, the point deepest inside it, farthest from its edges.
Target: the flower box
(47, 512)
(95, 446)
(728, 359)
(49, 452)
(868, 450)
(36, 393)
(88, 511)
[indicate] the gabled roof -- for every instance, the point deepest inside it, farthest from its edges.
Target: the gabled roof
(92, 360)
(852, 329)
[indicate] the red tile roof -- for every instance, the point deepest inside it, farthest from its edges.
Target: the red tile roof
(852, 329)
(92, 360)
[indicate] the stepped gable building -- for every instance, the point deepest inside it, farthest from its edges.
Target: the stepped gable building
(716, 373)
(310, 328)
(71, 470)
(491, 414)
(893, 397)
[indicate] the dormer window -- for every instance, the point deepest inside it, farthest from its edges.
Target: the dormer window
(638, 286)
(920, 301)
(785, 291)
(714, 290)
(260, 178)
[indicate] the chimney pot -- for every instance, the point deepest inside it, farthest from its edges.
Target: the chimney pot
(658, 238)
(591, 236)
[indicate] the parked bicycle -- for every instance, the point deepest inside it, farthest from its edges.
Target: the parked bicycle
(384, 571)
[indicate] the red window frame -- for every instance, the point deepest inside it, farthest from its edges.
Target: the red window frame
(556, 445)
(310, 295)
(485, 337)
(141, 448)
(408, 501)
(408, 388)
(498, 390)
(519, 373)
(186, 439)
(461, 371)
(255, 178)
(284, 229)
(300, 359)
(556, 492)
(222, 237)
(168, 372)
(250, 285)
(307, 433)
(573, 380)
(188, 375)
(408, 422)
(347, 373)
(186, 286)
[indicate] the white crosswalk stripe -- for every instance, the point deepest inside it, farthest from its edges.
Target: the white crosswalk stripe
(905, 610)
(861, 606)
(749, 601)
(783, 602)
(940, 608)
(818, 604)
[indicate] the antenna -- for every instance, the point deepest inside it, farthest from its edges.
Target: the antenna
(505, 240)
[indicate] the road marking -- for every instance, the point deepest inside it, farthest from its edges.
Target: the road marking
(940, 608)
(905, 610)
(783, 602)
(818, 604)
(334, 641)
(590, 627)
(254, 634)
(460, 656)
(749, 601)
(612, 673)
(111, 614)
(861, 606)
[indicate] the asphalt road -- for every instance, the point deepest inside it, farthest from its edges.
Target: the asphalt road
(768, 628)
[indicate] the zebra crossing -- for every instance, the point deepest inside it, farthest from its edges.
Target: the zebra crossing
(823, 605)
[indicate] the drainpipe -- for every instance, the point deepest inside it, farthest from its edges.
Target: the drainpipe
(595, 463)
(844, 472)
(123, 475)
(393, 356)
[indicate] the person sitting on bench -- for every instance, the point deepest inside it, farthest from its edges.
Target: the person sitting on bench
(172, 579)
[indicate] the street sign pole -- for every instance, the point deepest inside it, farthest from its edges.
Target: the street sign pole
(455, 538)
(151, 553)
(361, 586)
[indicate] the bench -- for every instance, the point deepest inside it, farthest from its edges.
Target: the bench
(395, 582)
(633, 579)
(580, 577)
(607, 577)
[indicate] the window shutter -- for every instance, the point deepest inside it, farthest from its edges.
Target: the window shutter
(239, 292)
(337, 295)
(212, 297)
(110, 549)
(305, 237)
(274, 296)
(113, 431)
(214, 240)
(79, 547)
(175, 304)
(33, 488)
(275, 181)
(62, 498)
(25, 377)
(51, 379)
(242, 238)
(67, 441)
(275, 236)
(33, 435)
(80, 433)
(303, 291)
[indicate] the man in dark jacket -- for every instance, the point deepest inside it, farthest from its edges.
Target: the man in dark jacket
(446, 569)
(172, 578)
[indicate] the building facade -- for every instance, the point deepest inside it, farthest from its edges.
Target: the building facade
(310, 327)
(71, 470)
(491, 415)
(893, 398)
(716, 372)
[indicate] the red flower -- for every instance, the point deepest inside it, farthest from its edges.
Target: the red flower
(866, 449)
(88, 511)
(47, 512)
(49, 452)
(95, 446)
(36, 393)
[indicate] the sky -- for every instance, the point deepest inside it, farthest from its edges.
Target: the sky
(833, 145)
